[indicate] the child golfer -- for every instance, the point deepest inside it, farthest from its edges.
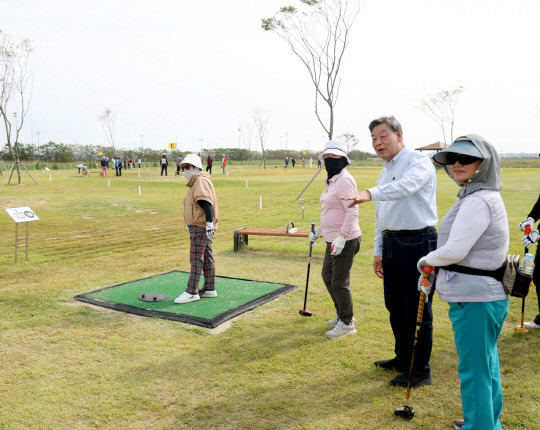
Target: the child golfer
(201, 218)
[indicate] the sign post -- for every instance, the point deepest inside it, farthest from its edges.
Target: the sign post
(19, 215)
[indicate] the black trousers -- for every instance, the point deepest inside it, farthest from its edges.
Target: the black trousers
(163, 168)
(401, 296)
(335, 273)
(209, 168)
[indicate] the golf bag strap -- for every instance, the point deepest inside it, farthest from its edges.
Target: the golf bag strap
(497, 274)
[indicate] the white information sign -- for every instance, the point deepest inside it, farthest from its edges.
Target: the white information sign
(24, 214)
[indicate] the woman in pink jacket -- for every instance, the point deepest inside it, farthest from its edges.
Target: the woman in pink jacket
(341, 232)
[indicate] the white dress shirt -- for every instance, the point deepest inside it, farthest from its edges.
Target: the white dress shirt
(404, 195)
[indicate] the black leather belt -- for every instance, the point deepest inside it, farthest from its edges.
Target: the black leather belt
(395, 234)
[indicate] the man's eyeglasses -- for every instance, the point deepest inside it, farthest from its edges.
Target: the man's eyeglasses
(463, 159)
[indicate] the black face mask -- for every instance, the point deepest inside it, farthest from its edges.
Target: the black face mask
(334, 166)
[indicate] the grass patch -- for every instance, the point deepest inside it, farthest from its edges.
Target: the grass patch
(71, 366)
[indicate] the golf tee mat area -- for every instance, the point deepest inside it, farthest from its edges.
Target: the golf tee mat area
(235, 296)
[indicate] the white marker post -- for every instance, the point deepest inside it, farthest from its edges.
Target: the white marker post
(139, 190)
(50, 178)
(260, 202)
(246, 183)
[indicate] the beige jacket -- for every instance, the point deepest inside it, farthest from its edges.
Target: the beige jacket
(200, 188)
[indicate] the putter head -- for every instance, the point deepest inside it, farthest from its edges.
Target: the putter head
(305, 313)
(521, 329)
(405, 412)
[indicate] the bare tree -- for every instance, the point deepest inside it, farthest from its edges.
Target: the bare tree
(260, 119)
(246, 134)
(441, 107)
(108, 123)
(15, 94)
(318, 32)
(350, 140)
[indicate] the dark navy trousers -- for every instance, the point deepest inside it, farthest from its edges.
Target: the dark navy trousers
(401, 295)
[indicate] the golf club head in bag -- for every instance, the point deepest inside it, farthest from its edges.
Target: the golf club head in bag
(405, 412)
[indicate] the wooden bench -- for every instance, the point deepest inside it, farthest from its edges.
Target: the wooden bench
(241, 235)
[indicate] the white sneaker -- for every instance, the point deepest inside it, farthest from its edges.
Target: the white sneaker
(208, 293)
(341, 330)
(186, 297)
(531, 324)
(333, 322)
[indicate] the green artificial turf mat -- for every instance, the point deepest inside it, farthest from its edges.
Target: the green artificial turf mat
(235, 296)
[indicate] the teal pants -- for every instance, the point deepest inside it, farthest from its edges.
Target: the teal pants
(476, 329)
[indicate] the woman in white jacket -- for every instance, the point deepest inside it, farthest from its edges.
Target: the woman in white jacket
(473, 242)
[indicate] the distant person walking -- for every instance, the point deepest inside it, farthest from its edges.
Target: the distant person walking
(164, 163)
(310, 162)
(293, 161)
(104, 166)
(119, 162)
(286, 162)
(209, 162)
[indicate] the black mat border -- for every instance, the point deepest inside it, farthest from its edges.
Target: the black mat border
(201, 322)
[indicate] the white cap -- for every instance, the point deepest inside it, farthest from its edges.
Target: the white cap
(192, 159)
(336, 147)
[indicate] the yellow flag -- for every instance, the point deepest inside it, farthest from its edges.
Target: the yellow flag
(172, 145)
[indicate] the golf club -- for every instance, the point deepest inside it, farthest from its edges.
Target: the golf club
(303, 311)
(406, 411)
(520, 328)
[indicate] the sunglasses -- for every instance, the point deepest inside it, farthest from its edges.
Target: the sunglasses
(464, 160)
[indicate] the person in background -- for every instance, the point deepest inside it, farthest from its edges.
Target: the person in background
(527, 241)
(223, 162)
(201, 216)
(104, 166)
(119, 163)
(473, 242)
(293, 161)
(286, 162)
(139, 163)
(209, 161)
(405, 219)
(164, 163)
(341, 232)
(178, 160)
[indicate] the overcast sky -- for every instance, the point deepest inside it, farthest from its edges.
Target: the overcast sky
(192, 72)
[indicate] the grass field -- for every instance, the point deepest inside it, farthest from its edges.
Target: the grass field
(68, 365)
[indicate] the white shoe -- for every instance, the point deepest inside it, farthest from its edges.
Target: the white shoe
(208, 293)
(341, 330)
(186, 297)
(333, 322)
(531, 324)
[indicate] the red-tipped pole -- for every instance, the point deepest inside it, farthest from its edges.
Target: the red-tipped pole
(407, 411)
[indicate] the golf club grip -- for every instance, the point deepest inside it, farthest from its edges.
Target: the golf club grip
(421, 307)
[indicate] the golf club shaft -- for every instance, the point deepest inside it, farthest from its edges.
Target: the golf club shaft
(309, 183)
(308, 266)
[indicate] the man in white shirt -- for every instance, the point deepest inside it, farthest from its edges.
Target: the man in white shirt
(405, 219)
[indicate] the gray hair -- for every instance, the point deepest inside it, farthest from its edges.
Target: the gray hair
(391, 121)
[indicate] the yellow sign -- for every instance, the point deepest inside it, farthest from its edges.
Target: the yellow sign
(100, 153)
(304, 152)
(172, 145)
